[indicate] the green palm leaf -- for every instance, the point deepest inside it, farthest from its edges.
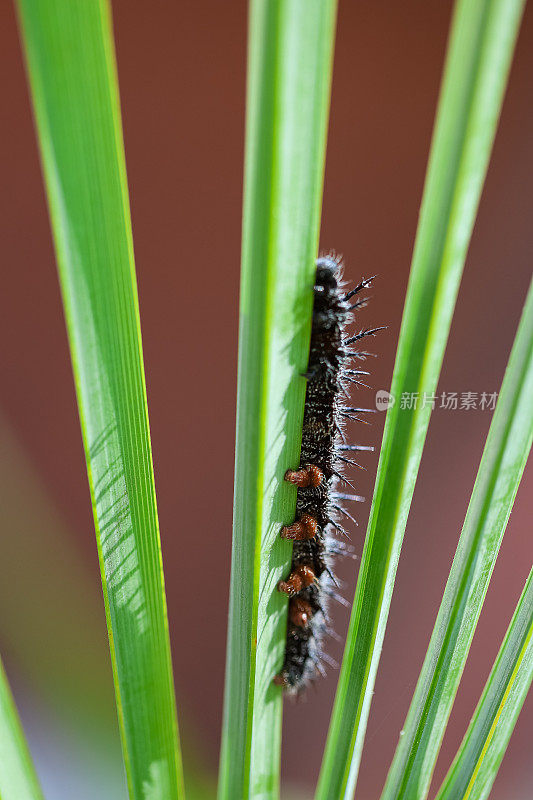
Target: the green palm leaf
(18, 780)
(290, 53)
(71, 64)
(504, 458)
(479, 54)
(475, 767)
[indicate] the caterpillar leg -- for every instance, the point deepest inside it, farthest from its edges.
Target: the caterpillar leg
(306, 476)
(304, 528)
(300, 578)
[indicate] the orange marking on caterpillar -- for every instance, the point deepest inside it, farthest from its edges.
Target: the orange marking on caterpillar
(300, 612)
(302, 577)
(308, 476)
(305, 528)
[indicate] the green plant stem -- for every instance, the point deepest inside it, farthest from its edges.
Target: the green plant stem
(477, 762)
(18, 780)
(71, 65)
(477, 65)
(289, 73)
(504, 458)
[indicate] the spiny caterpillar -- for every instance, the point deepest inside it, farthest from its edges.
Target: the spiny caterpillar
(318, 507)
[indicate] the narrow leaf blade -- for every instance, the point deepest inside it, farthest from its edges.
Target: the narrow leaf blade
(477, 762)
(18, 780)
(290, 54)
(504, 458)
(477, 65)
(71, 65)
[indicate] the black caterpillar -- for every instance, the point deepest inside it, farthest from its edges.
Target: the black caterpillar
(318, 508)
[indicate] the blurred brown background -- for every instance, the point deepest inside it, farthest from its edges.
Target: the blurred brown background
(182, 80)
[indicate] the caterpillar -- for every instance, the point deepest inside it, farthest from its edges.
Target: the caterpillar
(324, 450)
